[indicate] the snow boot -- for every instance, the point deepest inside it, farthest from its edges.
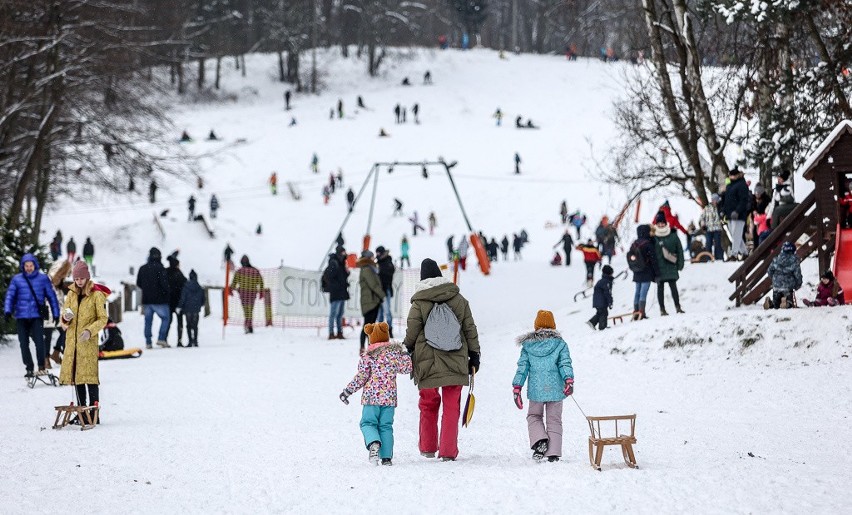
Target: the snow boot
(807, 302)
(29, 374)
(767, 303)
(47, 363)
(56, 357)
(663, 312)
(332, 337)
(387, 461)
(539, 448)
(180, 344)
(340, 336)
(374, 452)
(642, 311)
(428, 454)
(677, 308)
(163, 343)
(590, 324)
(447, 458)
(553, 459)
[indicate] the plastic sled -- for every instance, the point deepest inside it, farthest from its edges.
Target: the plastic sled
(469, 405)
(120, 354)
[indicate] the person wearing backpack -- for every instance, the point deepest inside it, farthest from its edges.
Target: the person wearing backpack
(642, 261)
(372, 294)
(669, 261)
(444, 345)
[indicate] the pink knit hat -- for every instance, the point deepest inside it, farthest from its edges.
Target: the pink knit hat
(81, 271)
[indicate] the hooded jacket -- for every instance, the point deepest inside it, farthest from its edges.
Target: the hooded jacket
(372, 293)
(153, 282)
(602, 297)
(192, 296)
(434, 368)
(338, 279)
(377, 370)
(666, 239)
(785, 272)
(736, 199)
(646, 246)
(19, 299)
(80, 359)
(386, 271)
(546, 362)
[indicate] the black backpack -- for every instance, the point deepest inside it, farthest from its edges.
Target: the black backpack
(636, 261)
(324, 282)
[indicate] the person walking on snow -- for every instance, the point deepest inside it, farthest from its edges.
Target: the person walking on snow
(642, 261)
(214, 205)
(88, 251)
(498, 115)
(248, 283)
(578, 220)
(591, 257)
(517, 164)
(563, 212)
(377, 371)
(25, 300)
(176, 281)
(433, 222)
(350, 199)
(273, 183)
(190, 304)
(545, 363)
(416, 111)
(403, 253)
(735, 210)
(372, 294)
(71, 250)
(606, 236)
(567, 246)
(440, 373)
(152, 191)
(669, 253)
(335, 280)
(191, 207)
(153, 282)
(602, 300)
(87, 304)
(315, 163)
(464, 246)
(504, 247)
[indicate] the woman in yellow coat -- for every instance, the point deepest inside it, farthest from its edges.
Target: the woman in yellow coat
(87, 304)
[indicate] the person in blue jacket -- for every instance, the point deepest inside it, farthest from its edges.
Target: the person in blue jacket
(27, 292)
(546, 362)
(602, 300)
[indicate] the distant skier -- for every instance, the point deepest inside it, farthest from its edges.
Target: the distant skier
(214, 206)
(191, 207)
(519, 123)
(403, 253)
(397, 207)
(427, 77)
(273, 183)
(406, 82)
(339, 178)
(517, 244)
(517, 163)
(331, 182)
(152, 191)
(350, 199)
(326, 194)
(404, 115)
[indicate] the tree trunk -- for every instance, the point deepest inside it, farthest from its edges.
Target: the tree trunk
(293, 66)
(281, 76)
(42, 186)
(41, 141)
(218, 71)
(243, 63)
(181, 85)
(813, 31)
(201, 78)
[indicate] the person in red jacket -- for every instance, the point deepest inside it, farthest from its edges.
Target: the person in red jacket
(671, 219)
(591, 257)
(829, 292)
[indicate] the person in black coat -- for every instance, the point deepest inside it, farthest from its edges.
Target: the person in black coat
(190, 304)
(504, 247)
(386, 271)
(602, 300)
(176, 281)
(643, 277)
(152, 280)
(567, 246)
(735, 210)
(336, 284)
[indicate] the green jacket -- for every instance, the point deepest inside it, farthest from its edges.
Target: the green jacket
(370, 285)
(434, 368)
(668, 270)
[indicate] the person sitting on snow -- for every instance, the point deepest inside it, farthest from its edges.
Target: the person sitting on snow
(829, 292)
(786, 274)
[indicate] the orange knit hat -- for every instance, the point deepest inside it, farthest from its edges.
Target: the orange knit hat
(544, 320)
(377, 332)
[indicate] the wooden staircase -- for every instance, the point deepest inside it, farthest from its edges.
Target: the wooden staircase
(750, 279)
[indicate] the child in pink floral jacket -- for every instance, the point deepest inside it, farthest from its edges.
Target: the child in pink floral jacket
(377, 372)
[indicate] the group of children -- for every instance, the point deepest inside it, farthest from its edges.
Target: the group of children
(544, 366)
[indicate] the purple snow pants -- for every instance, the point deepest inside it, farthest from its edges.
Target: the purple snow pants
(536, 425)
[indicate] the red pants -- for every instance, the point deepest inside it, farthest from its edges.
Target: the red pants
(430, 401)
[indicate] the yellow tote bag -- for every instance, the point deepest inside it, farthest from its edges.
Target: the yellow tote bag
(467, 414)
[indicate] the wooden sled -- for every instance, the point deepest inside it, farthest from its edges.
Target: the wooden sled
(134, 352)
(583, 294)
(703, 257)
(619, 319)
(597, 441)
(87, 415)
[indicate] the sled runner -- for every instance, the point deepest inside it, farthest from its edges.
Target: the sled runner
(597, 441)
(120, 354)
(584, 294)
(49, 380)
(86, 415)
(617, 319)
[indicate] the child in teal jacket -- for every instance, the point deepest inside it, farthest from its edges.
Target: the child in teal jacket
(545, 360)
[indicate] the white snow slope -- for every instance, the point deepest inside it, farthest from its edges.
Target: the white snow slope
(738, 410)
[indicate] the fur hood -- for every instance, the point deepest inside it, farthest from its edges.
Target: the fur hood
(538, 336)
(425, 284)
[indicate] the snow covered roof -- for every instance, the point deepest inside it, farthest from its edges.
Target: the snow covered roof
(806, 170)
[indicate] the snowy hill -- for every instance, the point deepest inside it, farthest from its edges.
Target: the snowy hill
(738, 410)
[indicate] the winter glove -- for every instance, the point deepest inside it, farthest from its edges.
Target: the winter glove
(85, 335)
(473, 362)
(344, 396)
(569, 387)
(519, 402)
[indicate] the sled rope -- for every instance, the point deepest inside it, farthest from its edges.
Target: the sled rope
(578, 407)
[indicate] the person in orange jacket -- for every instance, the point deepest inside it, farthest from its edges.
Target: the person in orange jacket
(591, 257)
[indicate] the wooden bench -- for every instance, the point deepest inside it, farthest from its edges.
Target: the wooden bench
(87, 415)
(597, 441)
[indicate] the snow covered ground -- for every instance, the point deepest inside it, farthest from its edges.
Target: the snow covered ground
(738, 410)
